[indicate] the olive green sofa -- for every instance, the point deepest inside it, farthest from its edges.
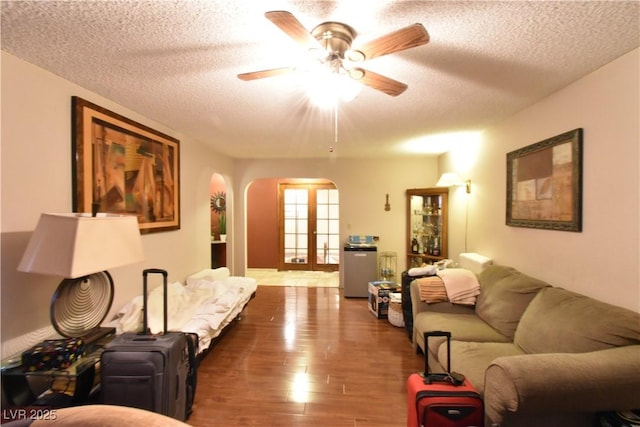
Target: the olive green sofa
(539, 355)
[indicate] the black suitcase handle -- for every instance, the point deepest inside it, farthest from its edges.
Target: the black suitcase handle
(448, 376)
(145, 273)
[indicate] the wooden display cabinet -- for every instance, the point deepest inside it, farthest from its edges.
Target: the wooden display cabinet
(427, 237)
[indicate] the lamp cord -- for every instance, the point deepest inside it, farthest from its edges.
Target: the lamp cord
(466, 222)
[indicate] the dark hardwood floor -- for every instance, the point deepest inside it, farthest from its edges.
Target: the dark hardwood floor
(306, 357)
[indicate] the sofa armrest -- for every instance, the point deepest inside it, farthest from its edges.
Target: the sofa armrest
(561, 383)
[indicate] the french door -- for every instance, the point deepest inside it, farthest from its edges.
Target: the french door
(308, 217)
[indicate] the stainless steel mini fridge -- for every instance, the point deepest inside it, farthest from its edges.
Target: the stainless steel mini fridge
(360, 267)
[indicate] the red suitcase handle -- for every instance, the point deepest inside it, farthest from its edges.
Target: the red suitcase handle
(448, 376)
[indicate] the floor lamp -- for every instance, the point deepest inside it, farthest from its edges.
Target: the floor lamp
(80, 248)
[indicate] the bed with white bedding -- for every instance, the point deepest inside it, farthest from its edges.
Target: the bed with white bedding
(206, 304)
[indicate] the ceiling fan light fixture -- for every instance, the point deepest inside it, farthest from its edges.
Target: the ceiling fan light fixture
(317, 54)
(354, 55)
(349, 88)
(356, 73)
(325, 89)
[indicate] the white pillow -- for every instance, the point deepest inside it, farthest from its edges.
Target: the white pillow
(429, 270)
(209, 274)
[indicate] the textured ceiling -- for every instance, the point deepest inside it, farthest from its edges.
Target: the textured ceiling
(176, 62)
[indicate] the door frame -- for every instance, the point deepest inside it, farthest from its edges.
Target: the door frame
(311, 264)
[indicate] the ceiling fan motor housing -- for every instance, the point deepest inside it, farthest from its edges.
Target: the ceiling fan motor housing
(334, 37)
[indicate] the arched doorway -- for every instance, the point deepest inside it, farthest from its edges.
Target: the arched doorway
(293, 224)
(218, 204)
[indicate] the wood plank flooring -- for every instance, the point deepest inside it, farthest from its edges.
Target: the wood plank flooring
(306, 357)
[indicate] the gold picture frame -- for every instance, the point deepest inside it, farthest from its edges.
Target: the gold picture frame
(121, 166)
(544, 184)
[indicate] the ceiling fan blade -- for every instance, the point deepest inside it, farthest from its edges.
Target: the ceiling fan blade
(405, 38)
(265, 73)
(378, 81)
(293, 28)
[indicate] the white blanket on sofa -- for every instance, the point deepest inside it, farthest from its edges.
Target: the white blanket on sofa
(209, 301)
(461, 285)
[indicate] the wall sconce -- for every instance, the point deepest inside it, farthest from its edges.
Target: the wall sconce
(452, 179)
(80, 248)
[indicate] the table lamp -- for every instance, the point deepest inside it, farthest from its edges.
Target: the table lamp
(80, 248)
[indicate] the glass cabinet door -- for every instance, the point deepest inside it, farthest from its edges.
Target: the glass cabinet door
(427, 226)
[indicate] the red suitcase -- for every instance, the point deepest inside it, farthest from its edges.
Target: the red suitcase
(442, 399)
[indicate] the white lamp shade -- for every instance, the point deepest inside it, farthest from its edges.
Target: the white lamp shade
(450, 179)
(74, 245)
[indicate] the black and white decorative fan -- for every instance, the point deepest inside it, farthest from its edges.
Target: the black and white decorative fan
(80, 305)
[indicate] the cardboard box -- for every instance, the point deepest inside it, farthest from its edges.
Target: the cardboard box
(379, 291)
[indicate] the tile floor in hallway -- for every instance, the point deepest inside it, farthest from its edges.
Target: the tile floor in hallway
(310, 279)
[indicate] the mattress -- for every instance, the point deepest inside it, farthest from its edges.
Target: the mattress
(207, 303)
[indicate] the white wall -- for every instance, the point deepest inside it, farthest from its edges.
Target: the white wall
(603, 260)
(36, 178)
(363, 185)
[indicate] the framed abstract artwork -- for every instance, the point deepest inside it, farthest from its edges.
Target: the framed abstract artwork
(544, 184)
(121, 166)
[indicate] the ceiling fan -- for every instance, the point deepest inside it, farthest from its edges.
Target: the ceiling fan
(332, 42)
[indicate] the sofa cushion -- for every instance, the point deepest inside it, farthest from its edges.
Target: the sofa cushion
(463, 327)
(561, 321)
(472, 358)
(504, 296)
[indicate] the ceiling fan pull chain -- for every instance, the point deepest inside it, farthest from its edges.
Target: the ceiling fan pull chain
(335, 127)
(335, 120)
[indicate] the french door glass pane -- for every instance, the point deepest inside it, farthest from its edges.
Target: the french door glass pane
(301, 241)
(322, 197)
(289, 240)
(289, 226)
(327, 226)
(322, 211)
(323, 229)
(296, 224)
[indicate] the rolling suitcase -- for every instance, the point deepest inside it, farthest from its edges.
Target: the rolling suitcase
(148, 371)
(442, 399)
(407, 308)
